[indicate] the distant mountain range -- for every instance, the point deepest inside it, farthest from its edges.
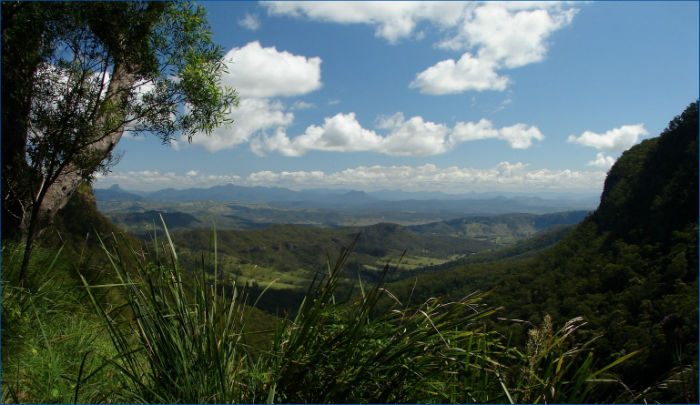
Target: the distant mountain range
(473, 203)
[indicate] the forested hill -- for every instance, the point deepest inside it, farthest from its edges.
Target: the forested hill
(652, 190)
(501, 229)
(630, 269)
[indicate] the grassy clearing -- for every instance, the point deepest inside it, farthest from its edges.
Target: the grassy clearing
(262, 275)
(411, 262)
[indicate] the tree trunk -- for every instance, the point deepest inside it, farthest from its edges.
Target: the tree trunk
(72, 176)
(57, 191)
(56, 187)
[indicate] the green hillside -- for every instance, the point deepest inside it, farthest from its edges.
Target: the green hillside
(630, 269)
(232, 215)
(292, 255)
(500, 229)
(523, 249)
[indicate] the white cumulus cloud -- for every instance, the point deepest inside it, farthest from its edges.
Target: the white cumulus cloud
(253, 116)
(614, 140)
(497, 35)
(265, 72)
(602, 160)
(468, 73)
(509, 34)
(518, 136)
(414, 137)
(505, 176)
(150, 180)
(250, 22)
(404, 137)
(340, 133)
(260, 74)
(392, 20)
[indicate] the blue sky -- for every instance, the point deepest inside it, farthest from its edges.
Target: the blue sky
(524, 97)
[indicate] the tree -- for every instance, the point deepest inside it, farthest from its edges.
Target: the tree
(86, 73)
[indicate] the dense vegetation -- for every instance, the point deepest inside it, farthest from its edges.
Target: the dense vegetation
(606, 311)
(290, 256)
(631, 268)
(160, 334)
(55, 348)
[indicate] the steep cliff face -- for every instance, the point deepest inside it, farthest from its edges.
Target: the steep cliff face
(652, 190)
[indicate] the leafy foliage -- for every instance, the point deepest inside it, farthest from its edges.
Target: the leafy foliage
(346, 354)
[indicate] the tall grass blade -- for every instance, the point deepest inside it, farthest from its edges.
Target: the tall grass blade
(167, 234)
(615, 363)
(79, 380)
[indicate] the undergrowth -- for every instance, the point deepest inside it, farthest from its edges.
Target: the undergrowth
(183, 336)
(53, 345)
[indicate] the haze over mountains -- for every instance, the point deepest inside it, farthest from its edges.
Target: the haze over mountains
(467, 204)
